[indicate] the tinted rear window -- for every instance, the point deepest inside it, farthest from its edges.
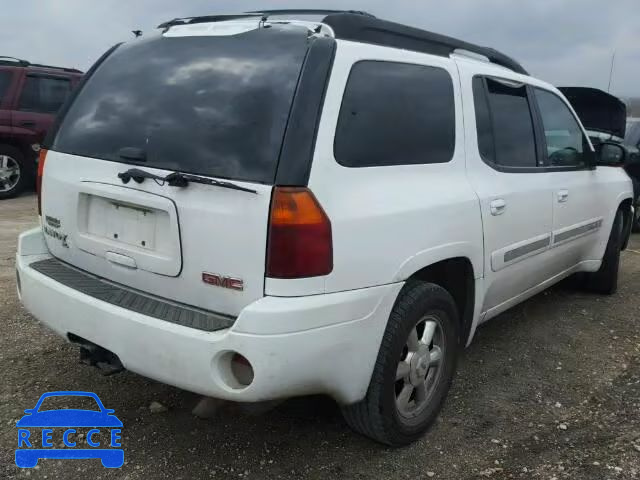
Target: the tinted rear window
(396, 114)
(213, 106)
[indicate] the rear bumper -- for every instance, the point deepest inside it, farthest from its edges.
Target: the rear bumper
(324, 344)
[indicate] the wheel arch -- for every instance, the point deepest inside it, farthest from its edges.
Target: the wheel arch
(626, 206)
(457, 276)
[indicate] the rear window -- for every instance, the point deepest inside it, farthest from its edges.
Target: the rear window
(215, 106)
(396, 114)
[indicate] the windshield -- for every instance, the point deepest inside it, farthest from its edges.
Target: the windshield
(210, 105)
(633, 133)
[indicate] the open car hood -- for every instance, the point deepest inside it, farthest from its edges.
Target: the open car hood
(598, 110)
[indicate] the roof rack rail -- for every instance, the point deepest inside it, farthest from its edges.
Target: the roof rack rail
(256, 13)
(11, 60)
(5, 60)
(368, 29)
(310, 11)
(207, 19)
(40, 65)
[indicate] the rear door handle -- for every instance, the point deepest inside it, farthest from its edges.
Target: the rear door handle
(498, 207)
(563, 196)
(28, 124)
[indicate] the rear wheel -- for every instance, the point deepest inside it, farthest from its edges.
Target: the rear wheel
(605, 280)
(13, 172)
(636, 220)
(414, 369)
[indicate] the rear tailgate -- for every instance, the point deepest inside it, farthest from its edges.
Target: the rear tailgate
(215, 106)
(157, 239)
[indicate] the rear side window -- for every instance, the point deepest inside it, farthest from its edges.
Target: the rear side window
(504, 123)
(5, 81)
(210, 105)
(44, 94)
(396, 114)
(484, 126)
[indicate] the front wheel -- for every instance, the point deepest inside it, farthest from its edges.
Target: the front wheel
(605, 280)
(414, 368)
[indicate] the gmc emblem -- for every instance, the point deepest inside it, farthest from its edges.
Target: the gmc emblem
(223, 282)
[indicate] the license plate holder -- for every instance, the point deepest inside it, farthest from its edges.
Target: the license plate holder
(131, 225)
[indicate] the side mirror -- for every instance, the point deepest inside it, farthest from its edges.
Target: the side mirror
(611, 154)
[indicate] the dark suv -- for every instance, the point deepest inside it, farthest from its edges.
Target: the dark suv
(30, 96)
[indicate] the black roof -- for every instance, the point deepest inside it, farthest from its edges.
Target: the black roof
(17, 62)
(368, 29)
(363, 27)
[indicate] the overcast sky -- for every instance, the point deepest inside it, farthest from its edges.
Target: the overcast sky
(566, 42)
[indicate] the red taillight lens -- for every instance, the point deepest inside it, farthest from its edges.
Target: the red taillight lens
(41, 160)
(300, 243)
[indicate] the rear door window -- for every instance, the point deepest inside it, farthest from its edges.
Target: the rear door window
(209, 105)
(396, 114)
(505, 123)
(44, 94)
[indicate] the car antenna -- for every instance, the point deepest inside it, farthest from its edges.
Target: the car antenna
(137, 33)
(613, 64)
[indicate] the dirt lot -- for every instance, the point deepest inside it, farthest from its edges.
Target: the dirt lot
(549, 390)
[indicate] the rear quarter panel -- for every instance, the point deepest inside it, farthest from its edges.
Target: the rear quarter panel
(389, 222)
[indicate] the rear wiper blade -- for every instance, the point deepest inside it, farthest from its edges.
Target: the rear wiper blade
(178, 179)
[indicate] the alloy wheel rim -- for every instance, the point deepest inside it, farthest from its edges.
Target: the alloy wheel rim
(9, 173)
(420, 366)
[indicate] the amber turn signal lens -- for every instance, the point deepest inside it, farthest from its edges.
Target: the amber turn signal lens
(300, 242)
(42, 157)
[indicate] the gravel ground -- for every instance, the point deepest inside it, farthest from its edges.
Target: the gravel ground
(550, 389)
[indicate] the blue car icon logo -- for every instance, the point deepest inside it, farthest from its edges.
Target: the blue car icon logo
(39, 428)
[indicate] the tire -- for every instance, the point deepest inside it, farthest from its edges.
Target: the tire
(10, 159)
(386, 414)
(635, 228)
(605, 280)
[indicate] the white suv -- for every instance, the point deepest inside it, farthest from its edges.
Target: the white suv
(254, 207)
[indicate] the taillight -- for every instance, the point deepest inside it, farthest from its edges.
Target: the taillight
(300, 243)
(41, 160)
